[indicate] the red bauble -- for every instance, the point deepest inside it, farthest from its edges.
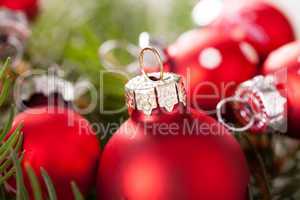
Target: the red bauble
(63, 143)
(284, 63)
(263, 25)
(170, 153)
(29, 7)
(214, 64)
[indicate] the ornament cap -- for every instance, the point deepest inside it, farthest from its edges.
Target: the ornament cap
(147, 92)
(46, 84)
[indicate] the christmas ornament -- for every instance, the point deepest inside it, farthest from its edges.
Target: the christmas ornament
(63, 143)
(14, 32)
(212, 63)
(284, 64)
(286, 57)
(263, 24)
(28, 7)
(156, 154)
(271, 102)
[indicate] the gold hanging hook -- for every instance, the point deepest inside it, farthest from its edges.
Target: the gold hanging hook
(158, 57)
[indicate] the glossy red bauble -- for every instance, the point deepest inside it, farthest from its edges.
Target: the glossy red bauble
(172, 155)
(263, 25)
(29, 7)
(63, 143)
(284, 63)
(213, 63)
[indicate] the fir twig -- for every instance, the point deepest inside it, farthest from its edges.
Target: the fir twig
(36, 188)
(49, 185)
(76, 192)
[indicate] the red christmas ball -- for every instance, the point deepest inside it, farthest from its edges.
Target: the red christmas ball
(63, 143)
(284, 64)
(166, 151)
(263, 25)
(212, 63)
(29, 7)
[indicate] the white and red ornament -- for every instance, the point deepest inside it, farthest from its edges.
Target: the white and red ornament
(271, 102)
(263, 23)
(212, 63)
(154, 155)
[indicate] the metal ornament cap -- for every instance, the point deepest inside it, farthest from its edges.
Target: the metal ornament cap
(147, 94)
(258, 105)
(47, 85)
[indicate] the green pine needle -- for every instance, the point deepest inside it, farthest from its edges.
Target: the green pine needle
(5, 91)
(11, 143)
(49, 185)
(4, 67)
(7, 175)
(36, 188)
(76, 191)
(5, 165)
(21, 189)
(8, 124)
(6, 83)
(16, 144)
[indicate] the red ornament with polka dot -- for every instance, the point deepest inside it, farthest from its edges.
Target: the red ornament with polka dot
(29, 7)
(156, 154)
(263, 24)
(213, 64)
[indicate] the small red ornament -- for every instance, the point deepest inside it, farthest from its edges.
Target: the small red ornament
(156, 154)
(213, 64)
(271, 102)
(284, 63)
(286, 57)
(63, 143)
(263, 25)
(29, 7)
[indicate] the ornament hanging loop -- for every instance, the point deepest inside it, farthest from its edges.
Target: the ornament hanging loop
(225, 101)
(158, 57)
